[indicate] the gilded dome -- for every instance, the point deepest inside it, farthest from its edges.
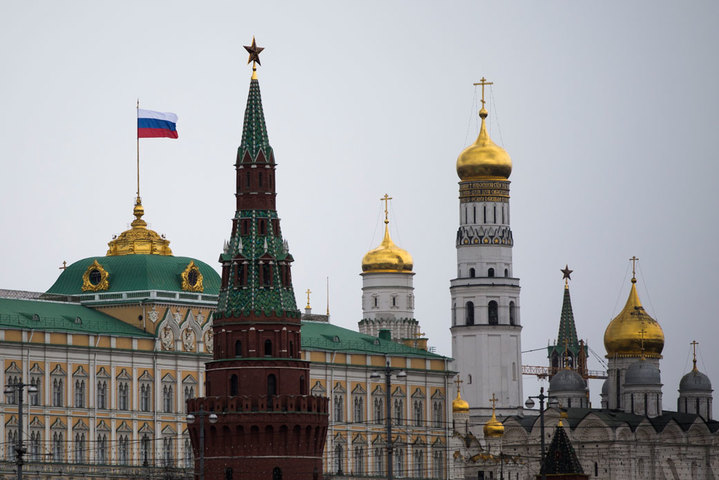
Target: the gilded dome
(388, 257)
(459, 405)
(493, 428)
(633, 329)
(483, 159)
(139, 239)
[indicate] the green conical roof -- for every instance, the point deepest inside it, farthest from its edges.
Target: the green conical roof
(567, 335)
(254, 130)
(561, 458)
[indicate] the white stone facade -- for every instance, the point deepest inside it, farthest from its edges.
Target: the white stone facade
(388, 304)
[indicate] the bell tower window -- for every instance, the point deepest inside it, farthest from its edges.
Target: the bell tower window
(492, 313)
(469, 313)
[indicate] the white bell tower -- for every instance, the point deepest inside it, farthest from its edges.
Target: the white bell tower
(486, 327)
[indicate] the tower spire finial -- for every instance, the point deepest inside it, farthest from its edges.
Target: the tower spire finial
(694, 344)
(386, 200)
(634, 268)
(567, 275)
(254, 52)
(308, 298)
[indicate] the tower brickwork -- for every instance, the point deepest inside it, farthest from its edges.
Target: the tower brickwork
(268, 425)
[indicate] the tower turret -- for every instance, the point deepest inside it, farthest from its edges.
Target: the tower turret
(568, 351)
(268, 425)
(695, 391)
(486, 327)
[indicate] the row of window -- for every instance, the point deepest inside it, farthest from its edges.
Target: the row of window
(418, 468)
(101, 394)
(492, 313)
(265, 274)
(493, 217)
(80, 450)
(379, 411)
(255, 178)
(490, 272)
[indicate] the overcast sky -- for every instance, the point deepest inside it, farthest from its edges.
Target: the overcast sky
(608, 110)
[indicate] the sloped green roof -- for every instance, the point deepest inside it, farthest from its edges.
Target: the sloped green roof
(136, 272)
(61, 317)
(325, 336)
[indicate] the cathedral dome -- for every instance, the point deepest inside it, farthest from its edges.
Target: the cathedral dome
(642, 373)
(605, 387)
(632, 330)
(459, 405)
(567, 381)
(388, 257)
(483, 159)
(695, 381)
(493, 428)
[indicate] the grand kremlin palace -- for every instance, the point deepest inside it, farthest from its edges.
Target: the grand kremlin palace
(118, 344)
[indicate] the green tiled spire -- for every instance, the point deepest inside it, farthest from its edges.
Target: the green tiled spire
(561, 459)
(567, 335)
(254, 131)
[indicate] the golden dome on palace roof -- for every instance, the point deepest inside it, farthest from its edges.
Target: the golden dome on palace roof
(139, 239)
(388, 257)
(633, 333)
(484, 159)
(459, 404)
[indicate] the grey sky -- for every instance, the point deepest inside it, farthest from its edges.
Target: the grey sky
(608, 110)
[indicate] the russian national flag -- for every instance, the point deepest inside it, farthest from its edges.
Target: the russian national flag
(156, 124)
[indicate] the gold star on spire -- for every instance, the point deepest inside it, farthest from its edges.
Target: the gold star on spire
(254, 52)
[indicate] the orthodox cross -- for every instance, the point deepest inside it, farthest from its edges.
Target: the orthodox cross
(494, 400)
(483, 82)
(308, 298)
(634, 267)
(64, 266)
(386, 200)
(254, 52)
(457, 382)
(694, 347)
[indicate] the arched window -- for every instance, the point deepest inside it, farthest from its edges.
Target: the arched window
(260, 177)
(238, 348)
(469, 313)
(271, 385)
(490, 272)
(492, 313)
(471, 273)
(268, 348)
(266, 275)
(228, 473)
(506, 272)
(512, 314)
(302, 385)
(292, 349)
(339, 459)
(277, 473)
(234, 385)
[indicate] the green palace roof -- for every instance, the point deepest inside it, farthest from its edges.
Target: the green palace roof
(129, 273)
(62, 317)
(325, 336)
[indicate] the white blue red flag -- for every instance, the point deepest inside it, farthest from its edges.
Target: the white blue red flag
(156, 124)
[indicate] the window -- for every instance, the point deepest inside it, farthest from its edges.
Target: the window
(375, 301)
(145, 396)
(271, 385)
(378, 410)
(167, 398)
(123, 396)
(238, 348)
(506, 272)
(490, 272)
(394, 300)
(379, 460)
(234, 385)
(123, 450)
(79, 447)
(10, 451)
(399, 461)
(492, 313)
(277, 473)
(266, 275)
(418, 462)
(79, 393)
(339, 408)
(101, 456)
(512, 314)
(145, 449)
(437, 408)
(358, 408)
(358, 460)
(189, 392)
(471, 273)
(167, 451)
(228, 473)
(58, 447)
(57, 392)
(438, 463)
(417, 409)
(260, 177)
(339, 459)
(469, 313)
(188, 454)
(101, 394)
(35, 441)
(398, 411)
(34, 398)
(268, 348)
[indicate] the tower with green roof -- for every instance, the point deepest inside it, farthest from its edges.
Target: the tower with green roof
(568, 351)
(268, 426)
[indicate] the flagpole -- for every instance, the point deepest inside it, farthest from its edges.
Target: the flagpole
(137, 132)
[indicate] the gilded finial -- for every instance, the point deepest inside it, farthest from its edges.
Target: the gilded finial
(694, 360)
(308, 298)
(483, 82)
(567, 275)
(634, 268)
(386, 200)
(254, 52)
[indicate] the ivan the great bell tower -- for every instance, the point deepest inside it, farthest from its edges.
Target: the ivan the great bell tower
(258, 420)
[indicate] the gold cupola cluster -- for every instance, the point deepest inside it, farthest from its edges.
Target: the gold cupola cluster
(388, 257)
(484, 160)
(139, 239)
(633, 333)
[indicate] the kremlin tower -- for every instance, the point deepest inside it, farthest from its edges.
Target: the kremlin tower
(264, 424)
(486, 327)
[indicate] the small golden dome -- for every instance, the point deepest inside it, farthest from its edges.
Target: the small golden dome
(633, 332)
(139, 239)
(483, 159)
(388, 257)
(493, 428)
(459, 405)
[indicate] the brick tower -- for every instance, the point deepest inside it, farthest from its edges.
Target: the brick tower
(267, 426)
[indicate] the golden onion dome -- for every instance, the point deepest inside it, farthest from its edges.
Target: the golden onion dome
(139, 239)
(493, 428)
(388, 257)
(484, 159)
(459, 405)
(633, 333)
